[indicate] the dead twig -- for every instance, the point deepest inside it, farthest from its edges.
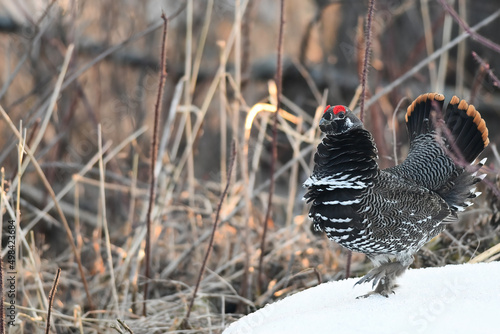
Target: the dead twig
(387, 89)
(124, 325)
(364, 77)
(184, 323)
(486, 66)
(368, 44)
(154, 153)
(52, 194)
(29, 141)
(51, 300)
(475, 36)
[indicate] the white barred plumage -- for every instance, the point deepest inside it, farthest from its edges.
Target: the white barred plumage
(390, 214)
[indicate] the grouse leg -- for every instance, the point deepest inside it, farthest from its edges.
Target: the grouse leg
(385, 275)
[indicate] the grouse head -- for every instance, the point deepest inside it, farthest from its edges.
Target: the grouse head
(338, 120)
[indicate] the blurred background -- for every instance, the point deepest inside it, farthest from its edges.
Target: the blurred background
(68, 66)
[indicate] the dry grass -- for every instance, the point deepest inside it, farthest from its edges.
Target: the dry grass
(80, 191)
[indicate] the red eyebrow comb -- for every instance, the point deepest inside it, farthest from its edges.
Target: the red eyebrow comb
(338, 109)
(324, 111)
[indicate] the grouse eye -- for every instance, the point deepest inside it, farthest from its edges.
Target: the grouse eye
(327, 116)
(341, 115)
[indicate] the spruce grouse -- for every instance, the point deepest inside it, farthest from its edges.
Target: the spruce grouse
(390, 214)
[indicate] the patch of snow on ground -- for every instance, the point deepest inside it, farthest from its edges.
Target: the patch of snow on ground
(451, 299)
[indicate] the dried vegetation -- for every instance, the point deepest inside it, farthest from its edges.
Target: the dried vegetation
(79, 84)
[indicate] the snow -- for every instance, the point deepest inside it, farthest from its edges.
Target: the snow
(452, 299)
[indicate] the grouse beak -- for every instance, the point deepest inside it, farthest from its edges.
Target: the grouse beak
(328, 126)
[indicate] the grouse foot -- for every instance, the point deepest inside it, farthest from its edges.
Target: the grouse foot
(385, 275)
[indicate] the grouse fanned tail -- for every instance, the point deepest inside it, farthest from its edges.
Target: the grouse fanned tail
(443, 144)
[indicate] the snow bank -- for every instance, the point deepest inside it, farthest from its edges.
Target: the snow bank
(452, 299)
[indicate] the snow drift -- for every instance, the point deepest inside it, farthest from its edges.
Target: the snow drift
(452, 299)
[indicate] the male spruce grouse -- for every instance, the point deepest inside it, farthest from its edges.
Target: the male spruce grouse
(390, 214)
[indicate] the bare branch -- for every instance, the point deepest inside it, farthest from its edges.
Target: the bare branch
(184, 323)
(154, 153)
(368, 45)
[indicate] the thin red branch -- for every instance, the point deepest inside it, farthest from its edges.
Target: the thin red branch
(364, 77)
(274, 143)
(368, 45)
(474, 35)
(154, 153)
(486, 66)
